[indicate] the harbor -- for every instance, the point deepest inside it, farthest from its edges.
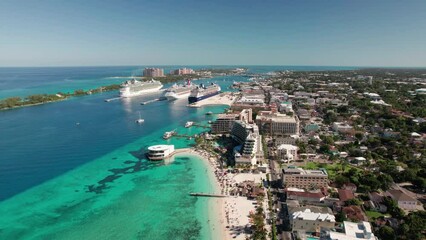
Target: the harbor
(226, 98)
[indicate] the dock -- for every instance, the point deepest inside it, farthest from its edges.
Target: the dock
(206, 195)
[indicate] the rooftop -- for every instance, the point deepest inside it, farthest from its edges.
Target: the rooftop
(312, 216)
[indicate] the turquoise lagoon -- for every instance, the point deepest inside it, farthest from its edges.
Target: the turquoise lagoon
(60, 180)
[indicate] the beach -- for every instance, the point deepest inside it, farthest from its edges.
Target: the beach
(229, 216)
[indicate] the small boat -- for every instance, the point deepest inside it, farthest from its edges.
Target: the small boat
(140, 120)
(189, 124)
(168, 135)
(210, 122)
(209, 113)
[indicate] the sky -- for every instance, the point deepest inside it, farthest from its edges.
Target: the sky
(228, 32)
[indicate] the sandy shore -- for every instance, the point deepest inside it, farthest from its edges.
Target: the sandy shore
(230, 213)
(226, 98)
(216, 205)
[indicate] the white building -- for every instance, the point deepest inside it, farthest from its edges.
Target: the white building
(353, 231)
(404, 201)
(342, 127)
(308, 221)
(287, 152)
(160, 152)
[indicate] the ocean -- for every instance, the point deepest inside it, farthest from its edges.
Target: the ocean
(60, 180)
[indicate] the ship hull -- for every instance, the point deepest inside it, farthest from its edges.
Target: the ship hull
(196, 99)
(171, 96)
(127, 94)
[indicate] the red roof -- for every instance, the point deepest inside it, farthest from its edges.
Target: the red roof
(345, 195)
(305, 194)
(354, 213)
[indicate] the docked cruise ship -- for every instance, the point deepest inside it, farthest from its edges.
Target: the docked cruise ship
(134, 87)
(179, 91)
(202, 92)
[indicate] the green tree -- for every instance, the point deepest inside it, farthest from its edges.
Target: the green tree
(387, 233)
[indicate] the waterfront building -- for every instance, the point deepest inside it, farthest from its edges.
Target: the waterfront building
(247, 135)
(308, 220)
(305, 179)
(277, 124)
(160, 152)
(223, 123)
(240, 130)
(182, 71)
(153, 72)
(287, 152)
(352, 231)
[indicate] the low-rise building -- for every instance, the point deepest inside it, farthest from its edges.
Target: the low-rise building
(306, 179)
(308, 221)
(342, 127)
(305, 197)
(404, 201)
(352, 231)
(287, 152)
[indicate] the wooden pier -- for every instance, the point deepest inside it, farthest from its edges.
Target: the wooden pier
(207, 195)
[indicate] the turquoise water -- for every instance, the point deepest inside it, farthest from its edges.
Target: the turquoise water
(60, 180)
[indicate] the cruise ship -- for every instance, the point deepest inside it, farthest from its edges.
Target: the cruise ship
(134, 87)
(179, 91)
(202, 92)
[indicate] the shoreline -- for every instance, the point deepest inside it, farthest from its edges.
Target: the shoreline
(215, 205)
(231, 213)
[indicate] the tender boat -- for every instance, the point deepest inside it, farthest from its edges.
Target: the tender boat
(189, 124)
(168, 135)
(140, 120)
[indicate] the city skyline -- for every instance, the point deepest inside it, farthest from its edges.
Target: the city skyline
(310, 33)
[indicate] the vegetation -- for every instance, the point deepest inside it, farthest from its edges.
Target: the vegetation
(14, 102)
(258, 221)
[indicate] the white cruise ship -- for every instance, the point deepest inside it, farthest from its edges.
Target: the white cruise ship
(179, 91)
(134, 87)
(202, 92)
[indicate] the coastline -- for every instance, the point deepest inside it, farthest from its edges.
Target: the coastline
(216, 215)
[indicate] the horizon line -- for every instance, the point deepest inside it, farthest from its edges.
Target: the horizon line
(258, 65)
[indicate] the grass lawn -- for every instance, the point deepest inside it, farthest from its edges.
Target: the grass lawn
(332, 169)
(373, 214)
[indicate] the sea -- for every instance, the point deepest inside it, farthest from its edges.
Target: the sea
(76, 169)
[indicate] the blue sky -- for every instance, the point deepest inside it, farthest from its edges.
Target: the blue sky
(332, 32)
